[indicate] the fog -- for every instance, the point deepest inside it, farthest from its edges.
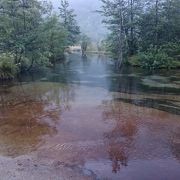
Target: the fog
(88, 20)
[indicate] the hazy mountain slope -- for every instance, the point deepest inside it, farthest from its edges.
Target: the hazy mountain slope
(89, 21)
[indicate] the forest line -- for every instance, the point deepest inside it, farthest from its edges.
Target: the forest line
(140, 33)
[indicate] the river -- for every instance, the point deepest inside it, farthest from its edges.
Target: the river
(84, 119)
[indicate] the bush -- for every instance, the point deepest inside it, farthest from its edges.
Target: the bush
(172, 50)
(134, 60)
(8, 69)
(155, 59)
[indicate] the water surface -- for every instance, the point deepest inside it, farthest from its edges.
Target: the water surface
(102, 123)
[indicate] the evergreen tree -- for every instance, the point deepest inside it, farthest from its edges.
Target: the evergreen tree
(134, 9)
(114, 12)
(69, 22)
(160, 24)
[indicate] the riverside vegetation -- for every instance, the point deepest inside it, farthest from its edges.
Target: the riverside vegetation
(141, 33)
(32, 35)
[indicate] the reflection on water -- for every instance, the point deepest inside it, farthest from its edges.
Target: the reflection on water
(121, 137)
(21, 127)
(29, 111)
(85, 114)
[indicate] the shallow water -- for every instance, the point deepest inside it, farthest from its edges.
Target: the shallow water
(103, 123)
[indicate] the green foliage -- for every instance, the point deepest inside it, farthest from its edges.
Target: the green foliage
(134, 60)
(113, 46)
(155, 59)
(54, 38)
(149, 27)
(121, 18)
(172, 50)
(114, 11)
(34, 35)
(8, 69)
(160, 24)
(20, 32)
(69, 22)
(166, 56)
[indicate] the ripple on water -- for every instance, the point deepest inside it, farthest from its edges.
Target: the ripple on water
(160, 82)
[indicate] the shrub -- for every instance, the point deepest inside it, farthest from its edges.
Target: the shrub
(172, 50)
(134, 60)
(155, 59)
(8, 69)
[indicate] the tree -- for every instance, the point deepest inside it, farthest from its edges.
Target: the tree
(134, 9)
(29, 34)
(159, 24)
(85, 41)
(55, 38)
(150, 25)
(20, 27)
(69, 22)
(160, 34)
(142, 26)
(114, 13)
(171, 25)
(121, 17)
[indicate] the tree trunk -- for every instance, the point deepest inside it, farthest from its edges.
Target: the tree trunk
(120, 53)
(156, 23)
(24, 15)
(132, 28)
(32, 62)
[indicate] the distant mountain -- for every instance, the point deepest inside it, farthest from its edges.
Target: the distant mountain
(88, 19)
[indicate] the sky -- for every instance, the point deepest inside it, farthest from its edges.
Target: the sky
(88, 20)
